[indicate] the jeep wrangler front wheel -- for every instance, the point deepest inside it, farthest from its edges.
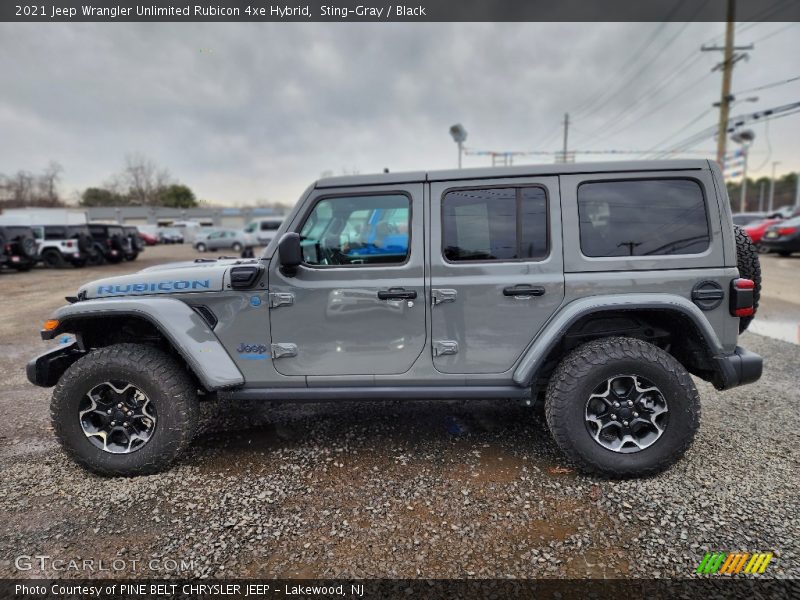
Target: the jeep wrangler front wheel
(127, 409)
(621, 407)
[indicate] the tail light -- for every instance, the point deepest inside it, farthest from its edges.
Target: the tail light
(69, 244)
(742, 297)
(108, 243)
(787, 230)
(8, 248)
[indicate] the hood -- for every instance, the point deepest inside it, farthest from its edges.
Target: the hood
(203, 275)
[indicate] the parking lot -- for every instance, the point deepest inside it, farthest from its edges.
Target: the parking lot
(398, 489)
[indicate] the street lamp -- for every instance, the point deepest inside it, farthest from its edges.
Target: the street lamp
(744, 138)
(459, 134)
(772, 184)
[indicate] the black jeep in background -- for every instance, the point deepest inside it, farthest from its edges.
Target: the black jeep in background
(17, 247)
(110, 242)
(136, 243)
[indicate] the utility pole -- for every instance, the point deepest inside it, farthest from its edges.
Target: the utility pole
(566, 132)
(729, 59)
(772, 184)
(761, 198)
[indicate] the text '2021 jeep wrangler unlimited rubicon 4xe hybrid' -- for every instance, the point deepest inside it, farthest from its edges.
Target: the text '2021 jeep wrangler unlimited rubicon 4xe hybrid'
(597, 287)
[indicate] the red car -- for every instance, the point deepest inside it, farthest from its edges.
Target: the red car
(756, 230)
(148, 239)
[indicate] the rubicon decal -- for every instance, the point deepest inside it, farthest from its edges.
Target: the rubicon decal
(731, 563)
(156, 287)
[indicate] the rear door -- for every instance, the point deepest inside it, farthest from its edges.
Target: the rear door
(496, 270)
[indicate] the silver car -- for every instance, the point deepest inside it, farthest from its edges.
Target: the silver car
(224, 239)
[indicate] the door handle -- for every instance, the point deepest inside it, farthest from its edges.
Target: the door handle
(397, 294)
(523, 290)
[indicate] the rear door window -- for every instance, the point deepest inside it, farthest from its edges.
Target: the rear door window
(495, 224)
(642, 217)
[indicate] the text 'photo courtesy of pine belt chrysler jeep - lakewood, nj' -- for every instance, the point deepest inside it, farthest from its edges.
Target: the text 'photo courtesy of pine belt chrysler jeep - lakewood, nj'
(592, 289)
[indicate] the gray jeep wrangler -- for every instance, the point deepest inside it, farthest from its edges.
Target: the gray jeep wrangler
(595, 288)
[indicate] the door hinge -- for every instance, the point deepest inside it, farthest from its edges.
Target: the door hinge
(277, 299)
(443, 347)
(283, 350)
(442, 296)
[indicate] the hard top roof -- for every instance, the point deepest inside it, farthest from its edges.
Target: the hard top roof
(520, 171)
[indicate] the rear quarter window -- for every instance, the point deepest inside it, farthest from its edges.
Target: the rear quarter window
(642, 217)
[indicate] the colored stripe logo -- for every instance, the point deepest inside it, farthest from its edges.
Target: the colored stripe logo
(731, 563)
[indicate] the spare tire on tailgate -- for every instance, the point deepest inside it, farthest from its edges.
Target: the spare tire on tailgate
(749, 268)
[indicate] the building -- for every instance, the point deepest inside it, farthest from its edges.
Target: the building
(159, 215)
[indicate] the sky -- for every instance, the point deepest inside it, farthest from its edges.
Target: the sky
(246, 113)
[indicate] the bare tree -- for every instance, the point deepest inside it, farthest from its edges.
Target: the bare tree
(47, 182)
(28, 189)
(143, 180)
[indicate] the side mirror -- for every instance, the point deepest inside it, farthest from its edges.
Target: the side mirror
(290, 254)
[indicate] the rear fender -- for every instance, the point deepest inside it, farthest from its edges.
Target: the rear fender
(552, 334)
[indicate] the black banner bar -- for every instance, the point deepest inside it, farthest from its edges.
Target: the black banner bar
(707, 588)
(392, 10)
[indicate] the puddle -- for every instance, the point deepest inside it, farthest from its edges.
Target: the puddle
(788, 331)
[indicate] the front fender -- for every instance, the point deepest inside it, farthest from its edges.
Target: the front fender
(188, 333)
(552, 334)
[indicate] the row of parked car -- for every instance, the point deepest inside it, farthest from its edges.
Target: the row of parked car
(257, 233)
(22, 246)
(777, 232)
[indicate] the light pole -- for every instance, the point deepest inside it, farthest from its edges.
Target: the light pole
(775, 163)
(459, 134)
(744, 138)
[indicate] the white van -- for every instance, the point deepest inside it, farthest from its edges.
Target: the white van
(264, 229)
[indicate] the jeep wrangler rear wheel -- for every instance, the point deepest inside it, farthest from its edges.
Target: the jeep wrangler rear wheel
(53, 259)
(127, 409)
(622, 407)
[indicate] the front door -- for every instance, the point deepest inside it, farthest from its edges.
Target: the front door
(496, 270)
(358, 300)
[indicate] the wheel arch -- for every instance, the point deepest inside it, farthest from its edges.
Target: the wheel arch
(100, 323)
(655, 318)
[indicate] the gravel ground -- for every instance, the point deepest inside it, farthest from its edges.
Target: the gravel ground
(398, 489)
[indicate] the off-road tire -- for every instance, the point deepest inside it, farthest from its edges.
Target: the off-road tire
(159, 376)
(97, 258)
(749, 267)
(581, 371)
(53, 259)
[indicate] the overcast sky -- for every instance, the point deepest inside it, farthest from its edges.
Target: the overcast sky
(247, 112)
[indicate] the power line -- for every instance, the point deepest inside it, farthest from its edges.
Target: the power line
(614, 122)
(778, 112)
(682, 129)
(774, 33)
(626, 84)
(600, 101)
(769, 85)
(634, 57)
